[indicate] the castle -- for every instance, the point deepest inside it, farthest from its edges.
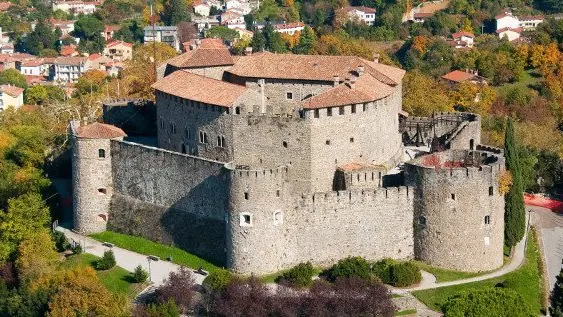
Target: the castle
(268, 160)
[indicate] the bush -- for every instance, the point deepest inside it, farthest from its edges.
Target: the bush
(77, 249)
(405, 274)
(491, 302)
(140, 275)
(166, 309)
(299, 275)
(382, 269)
(107, 261)
(61, 243)
(218, 280)
(349, 267)
(179, 287)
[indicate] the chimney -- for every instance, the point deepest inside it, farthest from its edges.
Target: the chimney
(360, 70)
(261, 84)
(376, 58)
(248, 51)
(198, 42)
(352, 82)
(336, 80)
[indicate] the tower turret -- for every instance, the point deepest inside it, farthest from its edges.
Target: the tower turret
(92, 180)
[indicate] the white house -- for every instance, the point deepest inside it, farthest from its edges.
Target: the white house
(289, 28)
(164, 34)
(507, 20)
(75, 6)
(230, 4)
(10, 96)
(509, 33)
(69, 69)
(463, 39)
(7, 48)
(66, 26)
(119, 50)
(235, 23)
(361, 13)
(530, 22)
(35, 67)
(202, 9)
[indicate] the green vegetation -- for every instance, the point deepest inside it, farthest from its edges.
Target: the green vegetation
(556, 308)
(140, 275)
(399, 274)
(300, 275)
(218, 280)
(349, 267)
(444, 275)
(515, 215)
(144, 246)
(117, 280)
(405, 312)
(526, 281)
(492, 302)
(106, 262)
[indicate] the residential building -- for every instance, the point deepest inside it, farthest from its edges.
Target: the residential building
(511, 26)
(119, 51)
(244, 34)
(459, 76)
(531, 22)
(10, 96)
(7, 48)
(36, 67)
(164, 34)
(289, 28)
(510, 34)
(462, 39)
(109, 31)
(69, 69)
(203, 24)
(75, 6)
(362, 14)
(202, 9)
(66, 26)
(69, 50)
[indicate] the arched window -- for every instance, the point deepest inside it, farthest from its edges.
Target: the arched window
(101, 153)
(184, 148)
(487, 220)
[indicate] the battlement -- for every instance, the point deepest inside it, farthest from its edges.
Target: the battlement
(353, 196)
(492, 149)
(440, 117)
(243, 173)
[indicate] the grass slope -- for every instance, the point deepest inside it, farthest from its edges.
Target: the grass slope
(145, 246)
(117, 280)
(526, 280)
(444, 275)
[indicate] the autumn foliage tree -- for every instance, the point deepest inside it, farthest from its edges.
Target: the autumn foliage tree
(422, 95)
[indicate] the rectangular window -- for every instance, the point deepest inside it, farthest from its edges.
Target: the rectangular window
(340, 110)
(202, 137)
(487, 220)
(289, 95)
(316, 113)
(353, 108)
(329, 112)
(365, 107)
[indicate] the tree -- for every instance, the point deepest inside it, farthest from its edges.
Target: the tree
(89, 29)
(306, 41)
(258, 41)
(423, 96)
(551, 6)
(351, 266)
(556, 297)
(25, 215)
(12, 77)
(176, 11)
(40, 94)
(222, 32)
(300, 275)
(218, 280)
(492, 302)
(42, 37)
(179, 287)
(514, 216)
(273, 40)
(107, 261)
(140, 275)
(36, 256)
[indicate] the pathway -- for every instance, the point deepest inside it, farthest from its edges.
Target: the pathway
(159, 270)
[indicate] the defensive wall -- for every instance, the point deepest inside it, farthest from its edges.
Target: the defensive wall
(459, 211)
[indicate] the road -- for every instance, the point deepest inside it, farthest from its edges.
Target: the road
(551, 230)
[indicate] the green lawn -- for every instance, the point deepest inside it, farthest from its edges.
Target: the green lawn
(145, 246)
(405, 312)
(117, 280)
(526, 281)
(443, 275)
(529, 79)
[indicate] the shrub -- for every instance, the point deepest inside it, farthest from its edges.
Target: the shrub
(405, 274)
(299, 275)
(179, 287)
(351, 266)
(107, 261)
(382, 269)
(491, 302)
(140, 275)
(61, 243)
(77, 249)
(218, 280)
(166, 309)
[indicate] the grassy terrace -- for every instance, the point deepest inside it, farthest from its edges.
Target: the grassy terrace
(117, 280)
(526, 280)
(443, 275)
(145, 246)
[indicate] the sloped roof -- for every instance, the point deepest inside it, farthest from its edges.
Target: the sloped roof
(360, 8)
(517, 30)
(311, 67)
(11, 90)
(463, 33)
(458, 76)
(199, 88)
(211, 52)
(4, 6)
(366, 89)
(288, 25)
(116, 43)
(98, 130)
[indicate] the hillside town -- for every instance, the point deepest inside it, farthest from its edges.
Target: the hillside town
(281, 158)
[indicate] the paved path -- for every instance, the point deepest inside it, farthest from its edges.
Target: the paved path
(551, 230)
(128, 259)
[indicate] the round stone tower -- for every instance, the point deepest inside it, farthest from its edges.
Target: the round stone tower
(92, 175)
(255, 225)
(458, 210)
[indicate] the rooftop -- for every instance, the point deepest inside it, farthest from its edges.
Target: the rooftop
(117, 43)
(360, 8)
(463, 33)
(70, 60)
(210, 52)
(356, 166)
(161, 28)
(184, 84)
(11, 90)
(517, 30)
(458, 76)
(98, 130)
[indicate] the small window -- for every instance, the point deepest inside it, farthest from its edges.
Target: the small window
(101, 153)
(220, 141)
(491, 191)
(161, 124)
(453, 196)
(183, 148)
(327, 142)
(329, 112)
(289, 95)
(188, 134)
(237, 110)
(487, 220)
(246, 219)
(340, 110)
(172, 128)
(102, 191)
(353, 108)
(278, 217)
(316, 113)
(246, 196)
(203, 137)
(278, 193)
(351, 140)
(422, 220)
(284, 144)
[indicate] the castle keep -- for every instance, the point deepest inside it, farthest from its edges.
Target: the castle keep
(268, 160)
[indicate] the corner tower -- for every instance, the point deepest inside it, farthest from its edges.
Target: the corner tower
(458, 209)
(92, 180)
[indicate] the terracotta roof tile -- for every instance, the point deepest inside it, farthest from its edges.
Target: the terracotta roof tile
(463, 33)
(211, 52)
(98, 130)
(288, 25)
(115, 43)
(68, 50)
(11, 90)
(360, 8)
(187, 85)
(458, 76)
(5, 5)
(311, 67)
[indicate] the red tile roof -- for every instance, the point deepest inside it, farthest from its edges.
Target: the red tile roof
(211, 52)
(32, 79)
(115, 43)
(4, 6)
(503, 15)
(98, 130)
(32, 62)
(68, 50)
(458, 76)
(360, 8)
(94, 56)
(199, 88)
(463, 33)
(288, 25)
(70, 60)
(531, 17)
(11, 90)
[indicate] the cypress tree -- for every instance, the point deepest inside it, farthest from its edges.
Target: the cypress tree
(514, 212)
(556, 308)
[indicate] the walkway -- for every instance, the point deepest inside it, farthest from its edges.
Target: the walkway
(159, 270)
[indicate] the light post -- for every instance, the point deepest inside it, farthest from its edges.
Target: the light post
(149, 259)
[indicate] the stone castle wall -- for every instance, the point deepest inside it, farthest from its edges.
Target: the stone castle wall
(170, 197)
(459, 212)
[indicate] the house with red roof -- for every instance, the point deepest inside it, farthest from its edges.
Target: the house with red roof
(10, 96)
(69, 50)
(119, 50)
(109, 31)
(361, 13)
(4, 6)
(458, 76)
(463, 39)
(289, 28)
